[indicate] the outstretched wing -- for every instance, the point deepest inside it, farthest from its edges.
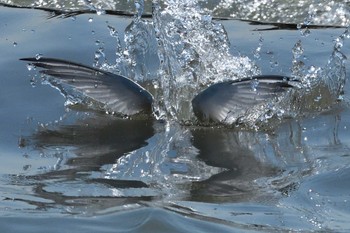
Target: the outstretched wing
(227, 101)
(116, 93)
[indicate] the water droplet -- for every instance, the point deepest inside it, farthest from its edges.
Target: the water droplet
(38, 56)
(90, 20)
(113, 32)
(340, 98)
(32, 82)
(297, 49)
(254, 84)
(257, 53)
(98, 55)
(100, 11)
(268, 115)
(305, 32)
(280, 113)
(312, 69)
(15, 44)
(318, 98)
(30, 67)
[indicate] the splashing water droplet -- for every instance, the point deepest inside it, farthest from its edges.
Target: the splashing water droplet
(305, 32)
(38, 56)
(194, 52)
(258, 49)
(254, 84)
(100, 11)
(30, 67)
(113, 32)
(32, 82)
(139, 5)
(297, 49)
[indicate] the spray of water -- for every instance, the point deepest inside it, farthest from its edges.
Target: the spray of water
(181, 51)
(194, 52)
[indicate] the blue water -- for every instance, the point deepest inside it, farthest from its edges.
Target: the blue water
(67, 170)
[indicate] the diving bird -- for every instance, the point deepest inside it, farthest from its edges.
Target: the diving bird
(222, 102)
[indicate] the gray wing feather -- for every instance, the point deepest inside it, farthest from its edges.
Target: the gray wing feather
(235, 98)
(117, 93)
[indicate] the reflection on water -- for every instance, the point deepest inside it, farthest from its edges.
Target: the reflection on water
(97, 141)
(122, 159)
(233, 151)
(118, 164)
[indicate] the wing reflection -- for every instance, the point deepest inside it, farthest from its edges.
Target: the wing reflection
(204, 164)
(96, 142)
(228, 149)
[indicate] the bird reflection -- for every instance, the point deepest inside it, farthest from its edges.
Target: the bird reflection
(225, 148)
(95, 141)
(98, 140)
(224, 164)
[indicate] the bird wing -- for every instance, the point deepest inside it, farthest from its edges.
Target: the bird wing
(232, 99)
(116, 93)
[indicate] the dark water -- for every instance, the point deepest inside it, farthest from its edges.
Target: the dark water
(67, 169)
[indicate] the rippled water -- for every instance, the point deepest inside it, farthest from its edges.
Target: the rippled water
(93, 172)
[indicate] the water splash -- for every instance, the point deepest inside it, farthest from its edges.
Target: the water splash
(194, 53)
(323, 12)
(168, 162)
(321, 86)
(182, 51)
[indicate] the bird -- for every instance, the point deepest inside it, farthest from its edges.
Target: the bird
(220, 103)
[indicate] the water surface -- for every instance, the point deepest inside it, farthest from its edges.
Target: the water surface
(91, 172)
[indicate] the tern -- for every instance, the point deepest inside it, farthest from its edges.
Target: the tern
(218, 103)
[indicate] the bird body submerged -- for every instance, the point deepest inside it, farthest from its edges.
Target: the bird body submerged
(223, 102)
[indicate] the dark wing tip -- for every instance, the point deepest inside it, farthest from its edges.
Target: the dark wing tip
(27, 59)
